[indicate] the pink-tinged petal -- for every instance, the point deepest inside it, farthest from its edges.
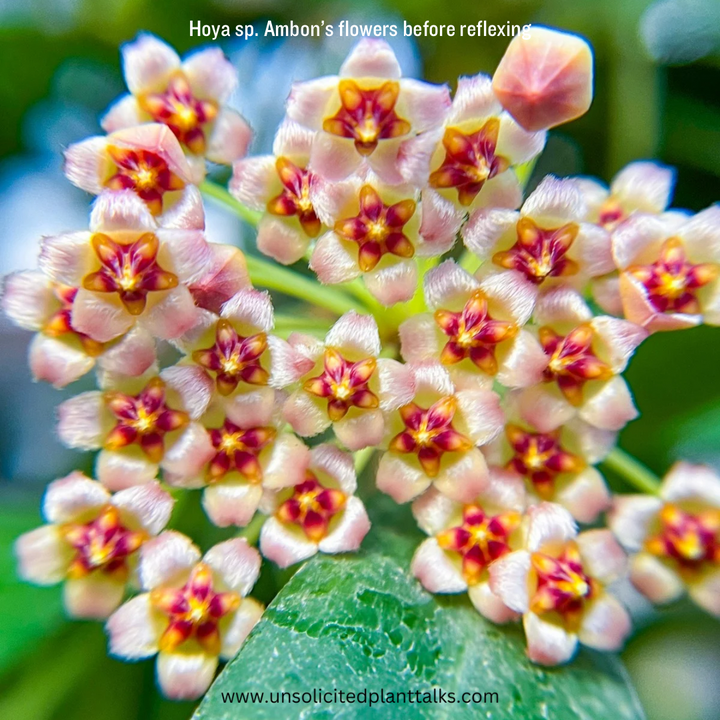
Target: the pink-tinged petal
(253, 181)
(543, 408)
(593, 249)
(644, 186)
(93, 597)
(99, 317)
(423, 104)
(285, 545)
(334, 158)
(561, 305)
(706, 592)
(474, 99)
(419, 338)
(502, 191)
(630, 518)
(605, 625)
(371, 58)
(250, 307)
(43, 557)
(339, 465)
(396, 384)
(85, 164)
(638, 240)
(360, 431)
(509, 580)
(606, 293)
(307, 416)
(686, 481)
(118, 470)
(441, 222)
(132, 356)
(399, 479)
(352, 527)
(308, 101)
(465, 479)
(523, 362)
(187, 253)
(356, 333)
(595, 194)
(385, 161)
(334, 201)
(148, 62)
(282, 241)
(186, 212)
(394, 283)
(193, 386)
(611, 408)
(505, 490)
(66, 258)
(237, 563)
(512, 293)
(225, 275)
(231, 502)
(485, 227)
(28, 299)
(549, 523)
(602, 556)
(548, 644)
(656, 581)
(184, 676)
(79, 421)
(489, 605)
(287, 462)
(432, 566)
(618, 340)
(555, 200)
(242, 622)
(118, 210)
(229, 139)
(210, 74)
(166, 560)
(586, 496)
(517, 144)
(446, 283)
(414, 157)
(287, 364)
(481, 414)
(333, 260)
(545, 79)
(594, 444)
(699, 233)
(57, 362)
(123, 113)
(134, 629)
(149, 505)
(434, 511)
(293, 140)
(251, 409)
(432, 377)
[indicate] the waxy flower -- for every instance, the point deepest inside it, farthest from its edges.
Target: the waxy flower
(476, 328)
(675, 537)
(225, 275)
(128, 271)
(188, 96)
(465, 539)
(252, 453)
(546, 78)
(377, 231)
(91, 541)
(364, 115)
(433, 439)
(585, 356)
(559, 583)
(321, 513)
(141, 424)
(343, 382)
(194, 611)
(58, 353)
(280, 186)
(547, 240)
(670, 269)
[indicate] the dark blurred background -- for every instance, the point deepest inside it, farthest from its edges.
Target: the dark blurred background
(656, 96)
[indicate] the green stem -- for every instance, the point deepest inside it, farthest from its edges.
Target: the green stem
(632, 470)
(222, 196)
(251, 532)
(362, 459)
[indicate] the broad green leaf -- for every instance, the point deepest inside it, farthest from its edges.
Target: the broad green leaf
(362, 622)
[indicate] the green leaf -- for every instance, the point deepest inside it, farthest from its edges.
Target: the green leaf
(362, 622)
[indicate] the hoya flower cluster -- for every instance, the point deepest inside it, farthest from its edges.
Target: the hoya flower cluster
(486, 383)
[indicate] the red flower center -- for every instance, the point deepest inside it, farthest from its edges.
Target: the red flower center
(102, 544)
(430, 434)
(194, 611)
(611, 214)
(234, 358)
(311, 507)
(470, 161)
(367, 116)
(295, 196)
(344, 384)
(540, 253)
(143, 419)
(129, 269)
(572, 362)
(473, 334)
(672, 281)
(59, 323)
(182, 112)
(480, 539)
(238, 449)
(378, 228)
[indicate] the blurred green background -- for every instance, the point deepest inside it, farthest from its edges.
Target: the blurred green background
(657, 81)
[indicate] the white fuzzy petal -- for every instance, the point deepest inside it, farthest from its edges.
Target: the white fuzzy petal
(166, 560)
(236, 562)
(134, 629)
(509, 580)
(43, 557)
(432, 566)
(149, 504)
(548, 644)
(549, 523)
(284, 546)
(348, 534)
(183, 676)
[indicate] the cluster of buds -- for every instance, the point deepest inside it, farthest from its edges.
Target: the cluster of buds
(491, 398)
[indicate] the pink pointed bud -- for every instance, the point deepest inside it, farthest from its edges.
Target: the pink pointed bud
(546, 79)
